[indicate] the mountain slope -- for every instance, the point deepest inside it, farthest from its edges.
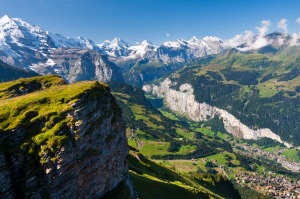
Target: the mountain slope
(259, 88)
(8, 73)
(25, 86)
(76, 64)
(30, 47)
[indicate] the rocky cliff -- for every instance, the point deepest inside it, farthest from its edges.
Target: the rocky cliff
(183, 102)
(63, 142)
(75, 64)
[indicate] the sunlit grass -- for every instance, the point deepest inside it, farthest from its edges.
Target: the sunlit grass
(43, 116)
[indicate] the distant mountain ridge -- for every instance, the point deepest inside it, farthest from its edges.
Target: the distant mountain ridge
(8, 73)
(29, 46)
(16, 32)
(171, 51)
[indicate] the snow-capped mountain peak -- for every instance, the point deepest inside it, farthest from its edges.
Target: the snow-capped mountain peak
(86, 43)
(194, 41)
(9, 27)
(118, 43)
(211, 38)
(61, 41)
(143, 49)
(194, 38)
(146, 43)
(15, 30)
(5, 20)
(173, 44)
(115, 48)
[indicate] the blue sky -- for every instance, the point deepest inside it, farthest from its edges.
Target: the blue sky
(154, 20)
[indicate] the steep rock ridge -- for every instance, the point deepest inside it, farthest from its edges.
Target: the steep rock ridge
(183, 102)
(76, 64)
(81, 154)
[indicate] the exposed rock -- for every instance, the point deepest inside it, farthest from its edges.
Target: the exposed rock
(90, 163)
(183, 102)
(76, 64)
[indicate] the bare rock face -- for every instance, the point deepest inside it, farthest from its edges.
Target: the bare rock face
(183, 102)
(90, 163)
(75, 64)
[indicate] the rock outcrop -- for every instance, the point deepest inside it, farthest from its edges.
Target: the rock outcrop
(84, 157)
(183, 102)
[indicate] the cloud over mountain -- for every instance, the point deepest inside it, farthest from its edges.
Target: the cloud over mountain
(252, 41)
(282, 24)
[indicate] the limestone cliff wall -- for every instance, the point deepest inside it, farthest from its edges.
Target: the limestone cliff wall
(90, 163)
(183, 102)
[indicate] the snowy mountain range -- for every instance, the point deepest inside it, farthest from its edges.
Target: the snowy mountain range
(29, 46)
(171, 51)
(16, 34)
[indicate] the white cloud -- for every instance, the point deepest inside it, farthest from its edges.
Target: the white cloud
(258, 43)
(248, 40)
(282, 24)
(263, 29)
(168, 35)
(295, 38)
(251, 41)
(237, 40)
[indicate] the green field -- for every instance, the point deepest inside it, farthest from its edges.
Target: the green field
(153, 180)
(168, 114)
(185, 133)
(292, 154)
(272, 149)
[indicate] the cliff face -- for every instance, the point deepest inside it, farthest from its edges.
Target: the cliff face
(75, 64)
(75, 151)
(183, 102)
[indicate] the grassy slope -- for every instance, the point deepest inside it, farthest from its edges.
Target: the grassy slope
(277, 66)
(292, 154)
(154, 181)
(48, 107)
(154, 133)
(262, 90)
(27, 85)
